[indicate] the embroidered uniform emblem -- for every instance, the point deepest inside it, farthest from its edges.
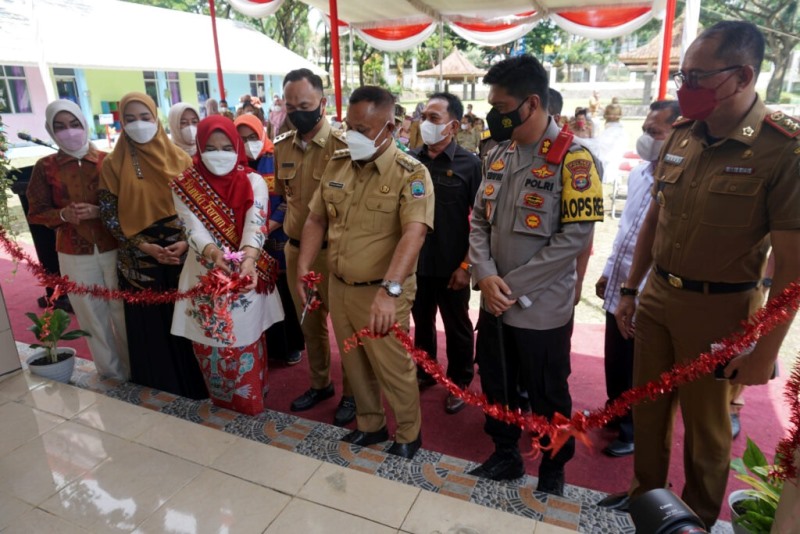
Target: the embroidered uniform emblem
(533, 200)
(739, 170)
(498, 165)
(488, 190)
(542, 172)
(384, 189)
(544, 148)
(533, 221)
(580, 169)
(417, 189)
(673, 159)
(748, 131)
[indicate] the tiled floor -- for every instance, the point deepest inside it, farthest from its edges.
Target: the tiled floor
(109, 457)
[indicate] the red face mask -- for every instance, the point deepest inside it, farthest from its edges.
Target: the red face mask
(697, 103)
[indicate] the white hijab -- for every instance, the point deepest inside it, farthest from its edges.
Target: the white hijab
(56, 107)
(175, 133)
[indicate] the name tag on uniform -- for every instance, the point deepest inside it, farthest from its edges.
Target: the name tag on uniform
(336, 185)
(672, 159)
(287, 164)
(739, 170)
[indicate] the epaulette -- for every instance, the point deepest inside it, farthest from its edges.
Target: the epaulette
(284, 135)
(407, 162)
(338, 134)
(681, 121)
(341, 153)
(788, 126)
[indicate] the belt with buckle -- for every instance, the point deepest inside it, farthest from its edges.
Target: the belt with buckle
(703, 287)
(359, 284)
(296, 243)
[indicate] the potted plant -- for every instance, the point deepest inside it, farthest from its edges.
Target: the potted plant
(753, 510)
(52, 361)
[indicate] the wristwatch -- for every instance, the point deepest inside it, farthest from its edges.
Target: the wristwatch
(393, 289)
(628, 291)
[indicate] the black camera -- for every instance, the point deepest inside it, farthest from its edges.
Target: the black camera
(660, 511)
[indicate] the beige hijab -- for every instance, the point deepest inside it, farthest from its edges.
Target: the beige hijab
(174, 119)
(145, 200)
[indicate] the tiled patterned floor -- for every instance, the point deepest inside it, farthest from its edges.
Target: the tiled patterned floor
(429, 470)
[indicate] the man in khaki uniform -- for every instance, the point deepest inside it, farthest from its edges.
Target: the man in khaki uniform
(301, 156)
(727, 184)
(376, 205)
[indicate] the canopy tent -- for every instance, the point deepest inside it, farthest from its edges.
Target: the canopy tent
(405, 24)
(455, 67)
(647, 56)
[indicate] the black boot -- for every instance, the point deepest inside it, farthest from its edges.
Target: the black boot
(504, 464)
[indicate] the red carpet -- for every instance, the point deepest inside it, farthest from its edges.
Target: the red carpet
(764, 419)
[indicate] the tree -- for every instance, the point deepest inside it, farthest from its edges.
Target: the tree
(778, 21)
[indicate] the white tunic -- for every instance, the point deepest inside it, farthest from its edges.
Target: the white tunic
(251, 312)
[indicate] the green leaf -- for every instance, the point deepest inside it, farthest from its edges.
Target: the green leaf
(75, 334)
(753, 456)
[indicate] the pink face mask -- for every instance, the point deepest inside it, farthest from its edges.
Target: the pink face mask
(697, 103)
(71, 139)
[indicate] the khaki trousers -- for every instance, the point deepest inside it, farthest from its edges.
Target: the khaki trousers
(675, 326)
(315, 326)
(380, 365)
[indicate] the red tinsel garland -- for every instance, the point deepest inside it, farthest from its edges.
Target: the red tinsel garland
(777, 311)
(311, 281)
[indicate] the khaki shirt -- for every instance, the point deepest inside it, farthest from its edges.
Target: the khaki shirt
(720, 201)
(366, 206)
(299, 171)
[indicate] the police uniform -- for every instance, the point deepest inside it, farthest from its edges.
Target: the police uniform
(718, 199)
(365, 206)
(456, 175)
(299, 170)
(530, 221)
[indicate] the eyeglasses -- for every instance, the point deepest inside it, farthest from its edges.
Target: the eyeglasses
(692, 79)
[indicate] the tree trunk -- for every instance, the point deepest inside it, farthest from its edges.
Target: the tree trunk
(782, 61)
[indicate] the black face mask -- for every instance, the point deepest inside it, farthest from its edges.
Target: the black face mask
(305, 121)
(501, 125)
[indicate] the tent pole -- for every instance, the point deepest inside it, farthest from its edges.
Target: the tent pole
(441, 55)
(212, 9)
(337, 62)
(666, 50)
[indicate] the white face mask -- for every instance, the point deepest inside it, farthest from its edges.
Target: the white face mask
(648, 147)
(219, 162)
(362, 147)
(189, 133)
(432, 133)
(464, 127)
(253, 149)
(141, 131)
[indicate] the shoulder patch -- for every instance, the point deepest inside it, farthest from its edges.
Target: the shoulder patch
(283, 136)
(407, 162)
(341, 153)
(788, 126)
(681, 121)
(338, 134)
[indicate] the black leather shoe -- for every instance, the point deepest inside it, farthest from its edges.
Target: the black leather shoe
(504, 464)
(552, 483)
(426, 381)
(618, 448)
(345, 412)
(311, 398)
(357, 437)
(736, 425)
(406, 450)
(454, 404)
(616, 501)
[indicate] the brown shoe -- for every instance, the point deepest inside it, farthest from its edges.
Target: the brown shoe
(454, 404)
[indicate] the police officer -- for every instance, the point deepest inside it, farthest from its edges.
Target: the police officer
(300, 158)
(376, 205)
(726, 186)
(443, 270)
(534, 213)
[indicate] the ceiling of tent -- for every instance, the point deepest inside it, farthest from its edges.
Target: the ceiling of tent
(403, 24)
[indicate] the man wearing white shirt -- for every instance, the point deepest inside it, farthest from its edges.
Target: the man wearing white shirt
(618, 350)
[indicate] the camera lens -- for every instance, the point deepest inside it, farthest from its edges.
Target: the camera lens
(660, 511)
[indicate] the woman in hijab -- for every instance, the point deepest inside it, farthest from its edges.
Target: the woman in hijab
(224, 207)
(63, 195)
(285, 340)
(136, 206)
(183, 119)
